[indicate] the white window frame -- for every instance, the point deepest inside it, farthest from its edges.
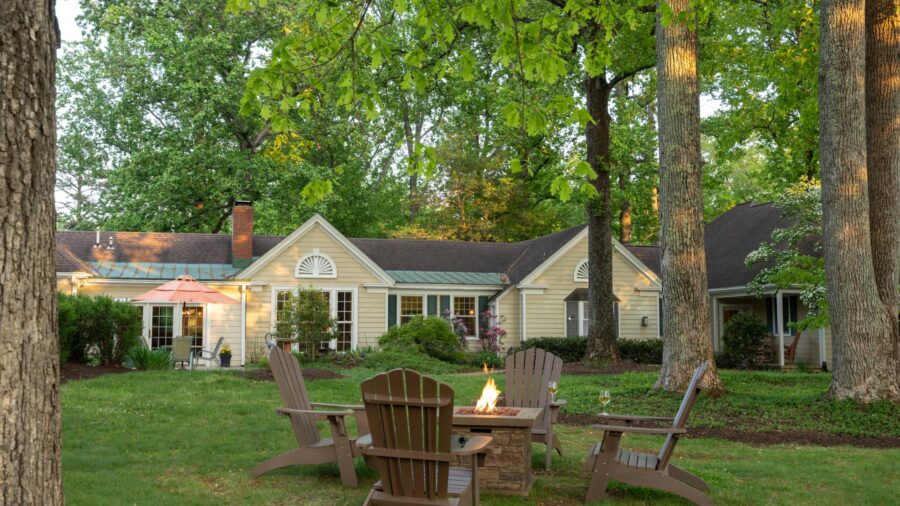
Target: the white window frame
(581, 277)
(315, 253)
(332, 303)
(177, 314)
(582, 332)
(400, 314)
(439, 294)
(477, 316)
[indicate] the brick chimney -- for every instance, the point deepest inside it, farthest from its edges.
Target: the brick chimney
(242, 233)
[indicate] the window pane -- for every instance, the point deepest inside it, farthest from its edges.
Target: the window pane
(585, 322)
(571, 319)
(464, 309)
(162, 326)
(192, 325)
(410, 306)
(281, 299)
(344, 321)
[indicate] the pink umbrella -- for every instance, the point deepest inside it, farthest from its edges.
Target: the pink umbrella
(185, 289)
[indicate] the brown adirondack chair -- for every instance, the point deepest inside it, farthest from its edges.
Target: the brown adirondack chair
(528, 373)
(606, 461)
(312, 449)
(790, 350)
(411, 418)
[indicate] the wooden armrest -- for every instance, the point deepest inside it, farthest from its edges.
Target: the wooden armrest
(364, 441)
(639, 430)
(558, 403)
(336, 406)
(636, 418)
(288, 411)
(476, 444)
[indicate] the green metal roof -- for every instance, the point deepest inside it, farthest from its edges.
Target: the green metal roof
(447, 278)
(157, 270)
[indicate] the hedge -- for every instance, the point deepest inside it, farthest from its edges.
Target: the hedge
(96, 329)
(573, 349)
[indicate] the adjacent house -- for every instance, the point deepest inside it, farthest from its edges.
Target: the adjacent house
(536, 288)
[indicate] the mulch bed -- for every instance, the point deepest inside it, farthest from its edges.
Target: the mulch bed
(72, 371)
(308, 374)
(764, 438)
(606, 368)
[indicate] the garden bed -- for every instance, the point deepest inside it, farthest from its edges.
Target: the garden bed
(583, 368)
(72, 371)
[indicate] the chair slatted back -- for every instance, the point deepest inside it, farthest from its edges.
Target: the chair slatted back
(289, 378)
(687, 403)
(181, 349)
(218, 347)
(528, 373)
(410, 419)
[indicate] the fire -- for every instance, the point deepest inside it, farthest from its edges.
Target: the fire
(487, 403)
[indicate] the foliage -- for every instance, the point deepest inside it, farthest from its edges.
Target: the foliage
(492, 334)
(570, 349)
(792, 257)
(486, 358)
(306, 317)
(430, 335)
(97, 329)
(412, 358)
(745, 339)
(145, 359)
(641, 351)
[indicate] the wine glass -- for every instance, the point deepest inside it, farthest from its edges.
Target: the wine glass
(552, 387)
(604, 399)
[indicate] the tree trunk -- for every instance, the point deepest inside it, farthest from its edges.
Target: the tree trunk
(883, 151)
(860, 326)
(601, 325)
(624, 214)
(29, 355)
(687, 324)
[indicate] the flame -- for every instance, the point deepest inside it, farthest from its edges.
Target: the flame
(487, 403)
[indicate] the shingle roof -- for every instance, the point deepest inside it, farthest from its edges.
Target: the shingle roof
(67, 262)
(648, 255)
(149, 254)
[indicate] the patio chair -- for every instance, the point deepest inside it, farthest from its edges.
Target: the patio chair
(607, 461)
(211, 356)
(411, 417)
(528, 374)
(182, 352)
(790, 350)
(311, 449)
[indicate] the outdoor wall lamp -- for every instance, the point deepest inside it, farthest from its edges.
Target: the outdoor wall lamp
(645, 321)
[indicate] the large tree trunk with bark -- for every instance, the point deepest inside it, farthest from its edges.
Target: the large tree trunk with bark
(883, 151)
(860, 326)
(29, 356)
(687, 324)
(601, 325)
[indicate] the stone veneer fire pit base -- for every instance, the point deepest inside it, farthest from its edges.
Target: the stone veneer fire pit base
(507, 462)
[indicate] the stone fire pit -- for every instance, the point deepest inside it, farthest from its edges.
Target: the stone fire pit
(507, 464)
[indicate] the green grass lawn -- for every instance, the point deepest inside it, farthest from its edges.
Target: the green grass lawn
(192, 438)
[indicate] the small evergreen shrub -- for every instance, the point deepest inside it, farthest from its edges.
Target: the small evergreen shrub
(97, 329)
(432, 335)
(394, 358)
(745, 342)
(570, 349)
(145, 359)
(641, 351)
(489, 358)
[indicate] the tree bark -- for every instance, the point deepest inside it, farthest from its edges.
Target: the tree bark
(601, 325)
(883, 152)
(860, 327)
(29, 356)
(687, 324)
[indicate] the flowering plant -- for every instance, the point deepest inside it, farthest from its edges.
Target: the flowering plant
(459, 327)
(492, 333)
(225, 350)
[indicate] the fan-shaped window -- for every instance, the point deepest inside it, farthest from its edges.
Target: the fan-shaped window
(581, 271)
(315, 265)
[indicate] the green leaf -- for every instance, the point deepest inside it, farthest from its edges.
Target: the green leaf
(515, 166)
(316, 190)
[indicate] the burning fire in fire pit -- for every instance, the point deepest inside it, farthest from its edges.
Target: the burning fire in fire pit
(487, 403)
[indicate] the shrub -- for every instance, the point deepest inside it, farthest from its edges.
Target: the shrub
(145, 359)
(97, 329)
(570, 349)
(431, 335)
(641, 351)
(306, 316)
(489, 358)
(393, 358)
(745, 341)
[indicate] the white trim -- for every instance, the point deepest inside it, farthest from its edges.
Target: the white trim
(640, 266)
(75, 274)
(115, 281)
(375, 290)
(534, 290)
(243, 290)
(489, 289)
(317, 219)
(524, 317)
(823, 355)
(314, 275)
(779, 317)
(582, 266)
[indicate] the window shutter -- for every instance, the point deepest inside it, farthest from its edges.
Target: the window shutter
(432, 305)
(445, 305)
(482, 307)
(770, 315)
(392, 311)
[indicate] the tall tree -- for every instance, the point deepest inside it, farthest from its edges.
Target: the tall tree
(29, 356)
(687, 324)
(883, 149)
(864, 367)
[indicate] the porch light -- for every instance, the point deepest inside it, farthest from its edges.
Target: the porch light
(645, 321)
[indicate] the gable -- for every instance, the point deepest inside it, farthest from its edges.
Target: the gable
(627, 275)
(320, 253)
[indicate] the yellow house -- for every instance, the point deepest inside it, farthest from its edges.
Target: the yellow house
(534, 288)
